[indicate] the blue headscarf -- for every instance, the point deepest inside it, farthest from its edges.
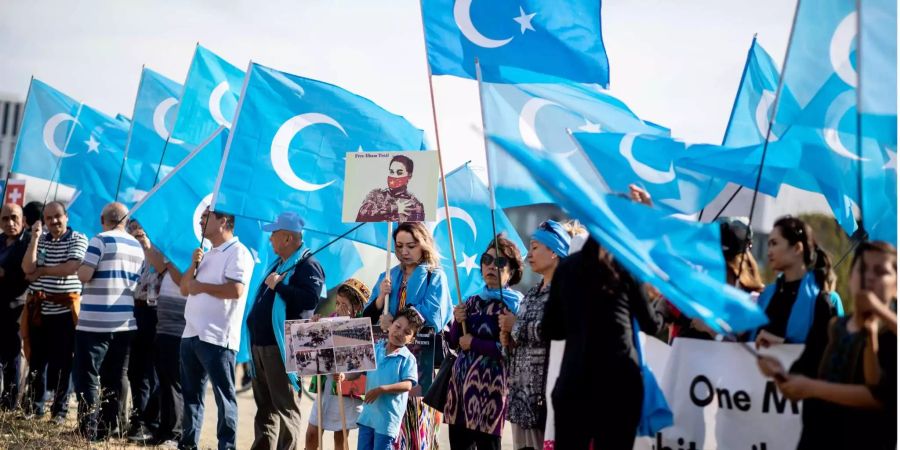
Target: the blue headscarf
(510, 297)
(552, 234)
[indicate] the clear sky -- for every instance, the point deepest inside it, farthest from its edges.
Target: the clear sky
(676, 63)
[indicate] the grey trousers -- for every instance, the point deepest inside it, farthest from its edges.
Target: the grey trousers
(277, 422)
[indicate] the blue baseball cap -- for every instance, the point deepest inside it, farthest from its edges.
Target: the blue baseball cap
(288, 221)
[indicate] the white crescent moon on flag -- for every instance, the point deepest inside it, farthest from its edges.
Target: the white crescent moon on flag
(215, 104)
(159, 119)
(840, 48)
(198, 213)
(642, 170)
(762, 114)
(463, 18)
(528, 127)
(839, 107)
(50, 130)
(281, 146)
(458, 213)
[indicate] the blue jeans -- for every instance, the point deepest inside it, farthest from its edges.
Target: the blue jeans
(368, 439)
(100, 363)
(201, 361)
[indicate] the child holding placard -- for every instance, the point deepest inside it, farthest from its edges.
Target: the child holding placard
(388, 386)
(350, 300)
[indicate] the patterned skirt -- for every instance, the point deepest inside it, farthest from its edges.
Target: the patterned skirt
(419, 428)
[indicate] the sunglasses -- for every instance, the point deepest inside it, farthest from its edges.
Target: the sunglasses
(488, 259)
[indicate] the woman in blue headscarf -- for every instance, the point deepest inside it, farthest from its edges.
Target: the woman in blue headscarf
(418, 283)
(477, 392)
(522, 335)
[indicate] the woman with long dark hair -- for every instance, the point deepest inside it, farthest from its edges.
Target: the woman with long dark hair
(418, 283)
(592, 304)
(798, 304)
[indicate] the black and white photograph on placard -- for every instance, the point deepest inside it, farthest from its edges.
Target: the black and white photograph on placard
(352, 332)
(359, 358)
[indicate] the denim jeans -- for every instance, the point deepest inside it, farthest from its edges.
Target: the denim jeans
(98, 370)
(202, 361)
(368, 439)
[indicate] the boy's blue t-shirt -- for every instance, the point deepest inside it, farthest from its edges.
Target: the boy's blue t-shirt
(384, 414)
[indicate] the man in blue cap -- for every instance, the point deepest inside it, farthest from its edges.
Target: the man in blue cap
(292, 290)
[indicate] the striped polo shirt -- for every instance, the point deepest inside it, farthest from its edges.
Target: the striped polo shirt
(53, 252)
(107, 301)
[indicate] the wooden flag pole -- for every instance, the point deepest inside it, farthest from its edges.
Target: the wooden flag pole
(321, 431)
(343, 416)
(387, 270)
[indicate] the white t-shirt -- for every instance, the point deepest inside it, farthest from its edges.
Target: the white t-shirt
(218, 321)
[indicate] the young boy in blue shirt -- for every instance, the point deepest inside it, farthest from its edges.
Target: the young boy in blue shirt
(388, 386)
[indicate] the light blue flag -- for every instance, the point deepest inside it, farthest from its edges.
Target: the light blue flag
(878, 91)
(171, 212)
(287, 149)
(71, 143)
(821, 73)
(754, 102)
(539, 115)
(538, 35)
(150, 147)
(653, 163)
(210, 97)
(340, 260)
(472, 231)
(84, 209)
(685, 263)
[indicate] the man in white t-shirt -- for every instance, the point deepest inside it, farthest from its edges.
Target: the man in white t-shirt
(216, 295)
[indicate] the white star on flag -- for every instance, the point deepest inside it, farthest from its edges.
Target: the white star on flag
(93, 145)
(590, 127)
(892, 160)
(468, 263)
(524, 20)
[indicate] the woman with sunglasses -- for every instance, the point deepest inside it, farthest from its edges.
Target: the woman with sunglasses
(798, 304)
(521, 334)
(418, 283)
(476, 396)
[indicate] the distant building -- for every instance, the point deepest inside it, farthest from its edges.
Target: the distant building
(11, 111)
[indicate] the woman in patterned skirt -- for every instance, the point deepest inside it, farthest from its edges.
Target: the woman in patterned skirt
(522, 335)
(476, 397)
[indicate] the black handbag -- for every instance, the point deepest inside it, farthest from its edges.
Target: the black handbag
(436, 396)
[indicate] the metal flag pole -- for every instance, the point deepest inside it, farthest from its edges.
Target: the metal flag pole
(437, 139)
(130, 131)
(59, 160)
(859, 141)
(772, 117)
(215, 193)
(766, 142)
(387, 269)
(728, 126)
(488, 162)
(12, 160)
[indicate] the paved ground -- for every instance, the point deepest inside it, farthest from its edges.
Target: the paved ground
(247, 409)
